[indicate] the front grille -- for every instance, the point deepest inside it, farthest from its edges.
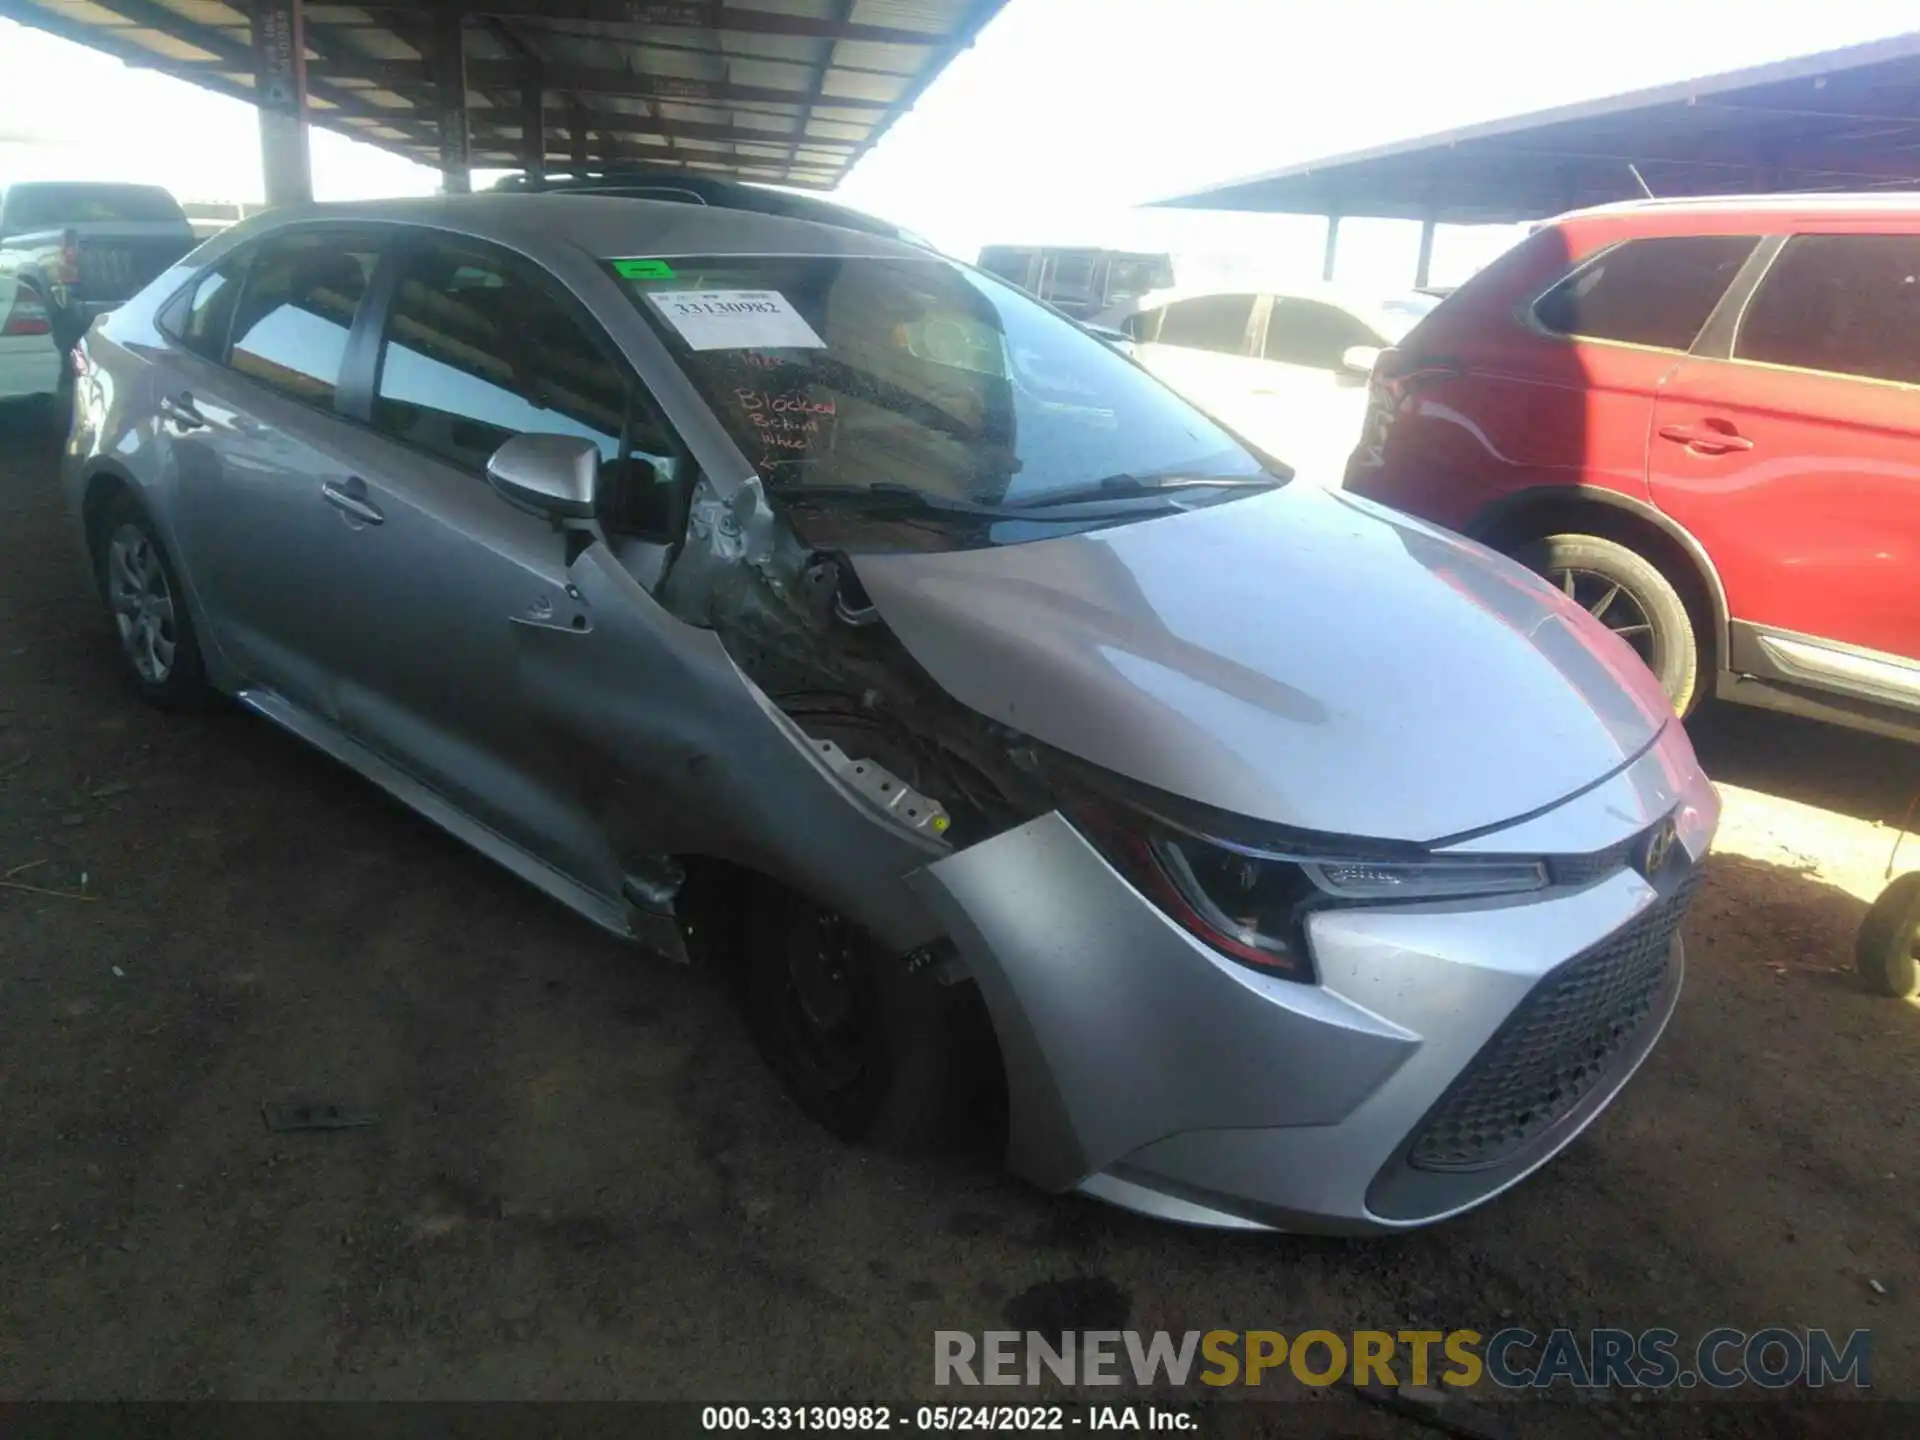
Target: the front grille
(1556, 1047)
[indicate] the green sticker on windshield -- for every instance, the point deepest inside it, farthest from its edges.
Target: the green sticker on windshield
(644, 269)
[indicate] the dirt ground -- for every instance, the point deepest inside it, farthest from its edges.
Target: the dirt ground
(583, 1184)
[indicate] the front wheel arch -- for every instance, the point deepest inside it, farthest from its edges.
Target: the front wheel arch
(1530, 516)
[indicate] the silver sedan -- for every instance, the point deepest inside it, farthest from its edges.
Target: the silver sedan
(1025, 750)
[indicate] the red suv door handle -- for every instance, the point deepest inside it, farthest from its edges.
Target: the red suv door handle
(1711, 441)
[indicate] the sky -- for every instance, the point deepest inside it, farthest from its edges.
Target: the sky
(1065, 117)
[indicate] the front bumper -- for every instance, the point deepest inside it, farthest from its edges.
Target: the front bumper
(1146, 1069)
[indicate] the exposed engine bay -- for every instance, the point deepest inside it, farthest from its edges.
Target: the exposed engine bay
(798, 624)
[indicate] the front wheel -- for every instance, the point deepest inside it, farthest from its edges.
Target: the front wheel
(1884, 951)
(1629, 595)
(862, 1041)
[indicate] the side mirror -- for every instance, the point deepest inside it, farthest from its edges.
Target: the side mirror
(1357, 361)
(552, 475)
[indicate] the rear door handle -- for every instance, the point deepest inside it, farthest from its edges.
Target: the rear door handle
(1710, 441)
(182, 412)
(344, 499)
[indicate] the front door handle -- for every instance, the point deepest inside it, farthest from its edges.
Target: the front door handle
(1711, 441)
(357, 506)
(182, 412)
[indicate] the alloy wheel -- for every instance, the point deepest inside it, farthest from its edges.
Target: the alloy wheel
(1614, 606)
(142, 603)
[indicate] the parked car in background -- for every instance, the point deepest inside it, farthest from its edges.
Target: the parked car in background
(1288, 371)
(30, 363)
(1079, 282)
(1700, 419)
(80, 248)
(824, 610)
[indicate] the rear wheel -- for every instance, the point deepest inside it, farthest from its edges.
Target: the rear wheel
(148, 609)
(1629, 595)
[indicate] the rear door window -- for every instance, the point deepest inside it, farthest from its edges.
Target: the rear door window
(1656, 292)
(1845, 304)
(1307, 332)
(297, 308)
(1206, 322)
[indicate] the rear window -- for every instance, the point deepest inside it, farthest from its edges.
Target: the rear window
(1846, 304)
(1656, 292)
(38, 207)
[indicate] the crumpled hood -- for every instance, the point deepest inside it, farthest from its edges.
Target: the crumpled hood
(1302, 657)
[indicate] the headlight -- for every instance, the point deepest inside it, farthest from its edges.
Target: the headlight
(1251, 904)
(1425, 879)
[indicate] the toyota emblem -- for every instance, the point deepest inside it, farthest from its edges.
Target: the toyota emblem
(1659, 846)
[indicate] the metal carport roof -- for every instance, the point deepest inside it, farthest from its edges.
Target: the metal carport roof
(791, 92)
(1844, 119)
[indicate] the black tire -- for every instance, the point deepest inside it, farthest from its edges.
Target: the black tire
(1631, 596)
(862, 1041)
(136, 576)
(1884, 951)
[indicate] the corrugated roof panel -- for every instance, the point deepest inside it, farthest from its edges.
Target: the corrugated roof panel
(208, 12)
(936, 17)
(860, 85)
(727, 61)
(380, 44)
(894, 59)
(826, 130)
(773, 75)
(770, 47)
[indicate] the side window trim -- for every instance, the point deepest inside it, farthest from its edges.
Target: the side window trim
(360, 366)
(1255, 343)
(1716, 338)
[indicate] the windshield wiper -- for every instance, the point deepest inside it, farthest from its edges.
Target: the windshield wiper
(1132, 487)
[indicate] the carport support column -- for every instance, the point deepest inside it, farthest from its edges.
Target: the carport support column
(1423, 266)
(533, 130)
(280, 85)
(1333, 246)
(450, 73)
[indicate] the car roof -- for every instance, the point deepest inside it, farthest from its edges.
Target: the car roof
(1359, 302)
(603, 226)
(1827, 206)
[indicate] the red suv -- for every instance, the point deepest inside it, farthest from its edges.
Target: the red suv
(1700, 418)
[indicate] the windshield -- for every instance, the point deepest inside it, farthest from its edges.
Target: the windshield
(836, 373)
(43, 206)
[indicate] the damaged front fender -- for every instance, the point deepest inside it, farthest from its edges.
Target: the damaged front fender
(678, 753)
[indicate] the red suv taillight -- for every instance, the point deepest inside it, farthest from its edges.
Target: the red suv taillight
(1398, 377)
(27, 316)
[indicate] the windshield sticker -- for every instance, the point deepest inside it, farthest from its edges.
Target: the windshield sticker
(735, 320)
(644, 270)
